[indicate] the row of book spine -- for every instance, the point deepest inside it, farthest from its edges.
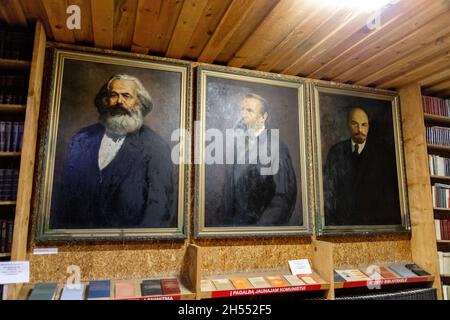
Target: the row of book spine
(439, 166)
(13, 89)
(9, 181)
(438, 135)
(6, 234)
(442, 228)
(441, 195)
(15, 45)
(11, 136)
(444, 263)
(436, 106)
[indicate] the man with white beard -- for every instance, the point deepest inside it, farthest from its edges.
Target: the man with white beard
(118, 172)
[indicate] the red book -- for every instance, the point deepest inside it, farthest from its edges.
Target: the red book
(170, 286)
(387, 274)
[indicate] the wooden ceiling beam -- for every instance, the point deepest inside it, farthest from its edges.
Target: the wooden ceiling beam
(34, 10)
(103, 23)
(146, 19)
(435, 78)
(236, 14)
(272, 30)
(85, 34)
(438, 88)
(436, 28)
(418, 73)
(124, 23)
(13, 13)
(189, 17)
(427, 52)
(57, 15)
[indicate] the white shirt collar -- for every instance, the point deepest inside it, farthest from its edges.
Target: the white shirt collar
(108, 150)
(361, 146)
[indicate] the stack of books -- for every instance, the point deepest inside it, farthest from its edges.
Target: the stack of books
(438, 135)
(439, 166)
(392, 271)
(15, 45)
(6, 234)
(444, 263)
(437, 106)
(9, 181)
(442, 228)
(11, 136)
(13, 89)
(258, 282)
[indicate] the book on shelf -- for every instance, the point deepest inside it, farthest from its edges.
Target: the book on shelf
(444, 263)
(170, 286)
(441, 195)
(15, 45)
(125, 290)
(352, 274)
(442, 228)
(99, 290)
(446, 292)
(206, 285)
(6, 235)
(44, 291)
(276, 281)
(293, 280)
(73, 292)
(439, 166)
(386, 273)
(151, 288)
(437, 135)
(240, 283)
(437, 106)
(223, 284)
(259, 282)
(402, 270)
(308, 279)
(416, 269)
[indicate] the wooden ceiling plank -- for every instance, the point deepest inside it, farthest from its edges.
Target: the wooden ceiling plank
(188, 20)
(212, 17)
(103, 23)
(436, 28)
(254, 19)
(34, 10)
(272, 30)
(418, 73)
(124, 23)
(146, 19)
(236, 14)
(386, 36)
(444, 94)
(13, 13)
(165, 25)
(388, 17)
(57, 15)
(293, 40)
(435, 78)
(85, 34)
(427, 52)
(440, 87)
(334, 30)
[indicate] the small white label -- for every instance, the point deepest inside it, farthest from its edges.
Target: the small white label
(300, 266)
(14, 272)
(45, 251)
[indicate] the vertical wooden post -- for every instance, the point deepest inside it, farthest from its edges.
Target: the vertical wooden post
(22, 217)
(423, 238)
(322, 260)
(192, 269)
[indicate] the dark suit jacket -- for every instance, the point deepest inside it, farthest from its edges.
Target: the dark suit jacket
(362, 191)
(252, 199)
(134, 190)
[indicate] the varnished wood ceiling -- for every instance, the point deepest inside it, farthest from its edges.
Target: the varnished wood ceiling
(295, 37)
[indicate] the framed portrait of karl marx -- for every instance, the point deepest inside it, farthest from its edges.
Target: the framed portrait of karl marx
(251, 177)
(109, 165)
(359, 167)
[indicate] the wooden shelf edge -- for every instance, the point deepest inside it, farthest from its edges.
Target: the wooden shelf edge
(438, 147)
(14, 64)
(443, 241)
(7, 203)
(5, 255)
(434, 118)
(10, 154)
(186, 296)
(13, 108)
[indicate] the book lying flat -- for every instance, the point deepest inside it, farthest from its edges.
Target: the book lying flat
(223, 284)
(240, 283)
(308, 279)
(402, 271)
(100, 289)
(293, 280)
(125, 290)
(170, 286)
(73, 292)
(416, 269)
(338, 277)
(44, 291)
(387, 274)
(206, 286)
(259, 282)
(151, 287)
(352, 275)
(276, 281)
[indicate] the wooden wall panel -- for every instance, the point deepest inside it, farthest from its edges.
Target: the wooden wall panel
(85, 34)
(56, 12)
(103, 23)
(124, 23)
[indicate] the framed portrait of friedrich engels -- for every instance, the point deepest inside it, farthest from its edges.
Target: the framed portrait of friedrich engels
(108, 169)
(252, 175)
(360, 166)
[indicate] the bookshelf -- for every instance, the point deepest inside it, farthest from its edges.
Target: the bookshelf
(436, 111)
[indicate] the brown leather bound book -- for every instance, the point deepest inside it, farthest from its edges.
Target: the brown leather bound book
(170, 286)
